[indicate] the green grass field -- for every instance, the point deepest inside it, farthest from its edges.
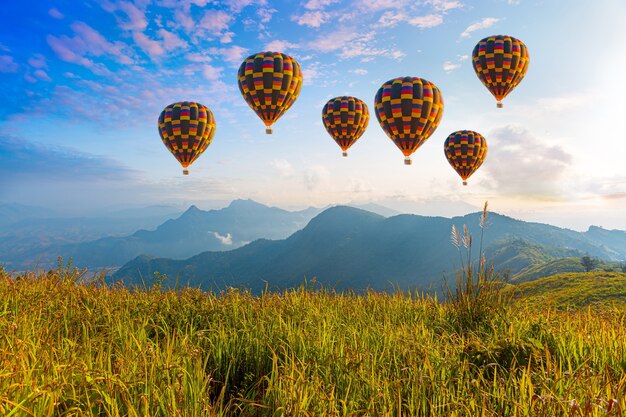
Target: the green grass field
(69, 349)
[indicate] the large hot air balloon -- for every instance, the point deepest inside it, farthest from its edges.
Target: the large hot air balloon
(270, 82)
(466, 150)
(409, 110)
(345, 119)
(500, 62)
(187, 129)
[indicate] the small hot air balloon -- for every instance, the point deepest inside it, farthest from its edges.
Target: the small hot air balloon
(270, 82)
(345, 119)
(187, 129)
(500, 63)
(466, 151)
(409, 110)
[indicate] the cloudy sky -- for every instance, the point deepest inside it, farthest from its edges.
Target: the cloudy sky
(83, 83)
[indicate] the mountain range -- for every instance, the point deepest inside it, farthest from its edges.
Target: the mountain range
(349, 248)
(192, 232)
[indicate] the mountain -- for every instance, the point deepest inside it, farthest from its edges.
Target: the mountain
(345, 247)
(193, 232)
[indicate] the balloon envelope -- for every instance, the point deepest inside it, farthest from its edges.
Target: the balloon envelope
(500, 63)
(409, 110)
(186, 129)
(345, 119)
(270, 82)
(466, 151)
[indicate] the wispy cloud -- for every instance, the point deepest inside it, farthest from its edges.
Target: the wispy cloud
(7, 64)
(54, 12)
(428, 21)
(88, 42)
(281, 45)
(283, 167)
(519, 164)
(484, 23)
(312, 19)
(20, 159)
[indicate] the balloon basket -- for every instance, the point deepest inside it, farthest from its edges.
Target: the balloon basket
(499, 104)
(464, 182)
(185, 171)
(344, 154)
(407, 161)
(268, 130)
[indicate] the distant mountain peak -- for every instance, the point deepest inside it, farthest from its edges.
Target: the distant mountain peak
(247, 204)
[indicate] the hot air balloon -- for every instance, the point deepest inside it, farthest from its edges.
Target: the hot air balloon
(409, 110)
(270, 82)
(466, 151)
(500, 62)
(345, 119)
(187, 129)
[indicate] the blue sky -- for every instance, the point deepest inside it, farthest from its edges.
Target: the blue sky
(84, 81)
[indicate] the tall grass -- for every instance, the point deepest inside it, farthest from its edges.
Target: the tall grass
(73, 349)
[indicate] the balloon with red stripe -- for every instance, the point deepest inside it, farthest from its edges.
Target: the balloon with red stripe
(270, 82)
(500, 62)
(466, 151)
(345, 119)
(409, 110)
(186, 129)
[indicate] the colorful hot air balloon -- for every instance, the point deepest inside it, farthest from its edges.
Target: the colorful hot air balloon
(409, 110)
(270, 82)
(345, 119)
(466, 151)
(187, 129)
(500, 62)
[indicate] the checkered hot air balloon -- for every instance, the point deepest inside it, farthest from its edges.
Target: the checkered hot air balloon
(409, 110)
(270, 83)
(345, 119)
(187, 129)
(466, 151)
(500, 62)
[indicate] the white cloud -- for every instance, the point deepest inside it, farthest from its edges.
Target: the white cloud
(359, 71)
(54, 12)
(316, 177)
(312, 19)
(283, 167)
(211, 73)
(391, 18)
(136, 18)
(7, 64)
(280, 45)
(224, 240)
(197, 57)
(445, 5)
(153, 48)
(450, 66)
(88, 42)
(318, 4)
(214, 22)
(234, 54)
(485, 23)
(425, 22)
(519, 164)
(171, 41)
(265, 14)
(42, 75)
(373, 5)
(37, 61)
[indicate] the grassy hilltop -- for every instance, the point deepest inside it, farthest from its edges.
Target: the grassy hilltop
(69, 349)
